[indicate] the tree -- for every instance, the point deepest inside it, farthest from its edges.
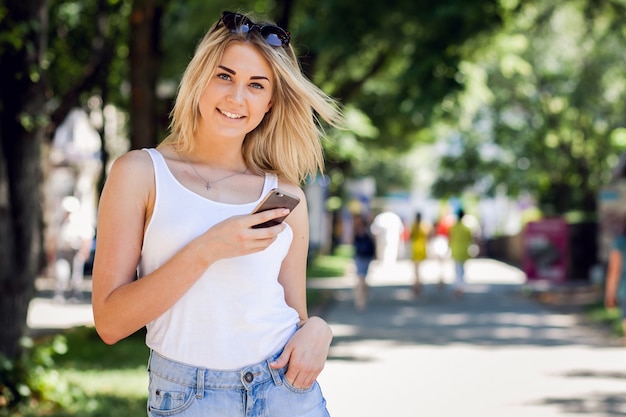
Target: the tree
(390, 64)
(145, 58)
(393, 61)
(546, 112)
(38, 87)
(22, 128)
(84, 37)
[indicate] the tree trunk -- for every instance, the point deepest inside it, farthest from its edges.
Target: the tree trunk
(22, 121)
(144, 57)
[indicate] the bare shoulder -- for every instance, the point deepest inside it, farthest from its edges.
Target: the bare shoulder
(132, 175)
(135, 160)
(292, 189)
(135, 167)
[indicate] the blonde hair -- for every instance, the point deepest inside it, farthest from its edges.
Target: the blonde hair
(287, 142)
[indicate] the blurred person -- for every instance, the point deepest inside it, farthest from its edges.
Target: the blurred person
(387, 229)
(418, 237)
(615, 287)
(73, 167)
(473, 223)
(439, 244)
(72, 249)
(460, 241)
(364, 252)
(223, 302)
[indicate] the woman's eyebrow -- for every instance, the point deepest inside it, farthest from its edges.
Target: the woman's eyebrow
(227, 69)
(233, 72)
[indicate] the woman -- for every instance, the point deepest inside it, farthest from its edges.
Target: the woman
(364, 252)
(223, 303)
(418, 238)
(615, 288)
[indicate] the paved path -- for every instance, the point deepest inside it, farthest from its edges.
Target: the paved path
(45, 315)
(491, 353)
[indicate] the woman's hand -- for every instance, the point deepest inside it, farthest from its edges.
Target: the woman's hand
(236, 237)
(306, 353)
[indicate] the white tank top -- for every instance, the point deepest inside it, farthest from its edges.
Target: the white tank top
(234, 315)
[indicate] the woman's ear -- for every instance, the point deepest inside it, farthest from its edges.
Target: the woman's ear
(269, 106)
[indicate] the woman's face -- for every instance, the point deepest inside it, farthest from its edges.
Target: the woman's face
(238, 94)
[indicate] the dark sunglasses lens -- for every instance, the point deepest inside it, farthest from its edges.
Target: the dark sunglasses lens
(235, 21)
(275, 36)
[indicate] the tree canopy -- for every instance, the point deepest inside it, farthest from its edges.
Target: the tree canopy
(390, 64)
(543, 107)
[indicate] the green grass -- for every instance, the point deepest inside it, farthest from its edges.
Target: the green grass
(324, 266)
(115, 371)
(92, 405)
(610, 317)
(94, 379)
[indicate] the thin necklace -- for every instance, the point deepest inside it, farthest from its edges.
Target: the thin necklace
(209, 184)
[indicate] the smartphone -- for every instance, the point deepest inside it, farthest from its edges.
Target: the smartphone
(276, 198)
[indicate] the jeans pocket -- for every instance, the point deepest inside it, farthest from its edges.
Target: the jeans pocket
(298, 390)
(168, 398)
(287, 401)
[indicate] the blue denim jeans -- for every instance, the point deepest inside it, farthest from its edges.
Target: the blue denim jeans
(177, 389)
(362, 265)
(459, 275)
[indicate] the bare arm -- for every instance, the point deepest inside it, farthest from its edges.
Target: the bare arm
(122, 304)
(307, 351)
(613, 277)
(293, 270)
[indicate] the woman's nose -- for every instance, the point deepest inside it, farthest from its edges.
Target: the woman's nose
(236, 93)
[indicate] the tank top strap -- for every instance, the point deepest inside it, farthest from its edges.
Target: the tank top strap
(161, 169)
(157, 159)
(271, 181)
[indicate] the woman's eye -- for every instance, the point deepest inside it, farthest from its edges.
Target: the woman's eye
(223, 76)
(257, 86)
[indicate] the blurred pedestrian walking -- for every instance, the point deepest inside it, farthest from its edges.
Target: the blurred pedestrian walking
(364, 253)
(73, 246)
(615, 288)
(418, 238)
(439, 243)
(387, 228)
(460, 236)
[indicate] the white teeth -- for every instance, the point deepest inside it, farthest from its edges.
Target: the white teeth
(231, 115)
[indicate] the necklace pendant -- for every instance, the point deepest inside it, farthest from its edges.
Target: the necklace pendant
(207, 184)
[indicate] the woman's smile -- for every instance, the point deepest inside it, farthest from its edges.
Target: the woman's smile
(231, 115)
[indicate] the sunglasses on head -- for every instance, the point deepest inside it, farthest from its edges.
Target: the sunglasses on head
(273, 35)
